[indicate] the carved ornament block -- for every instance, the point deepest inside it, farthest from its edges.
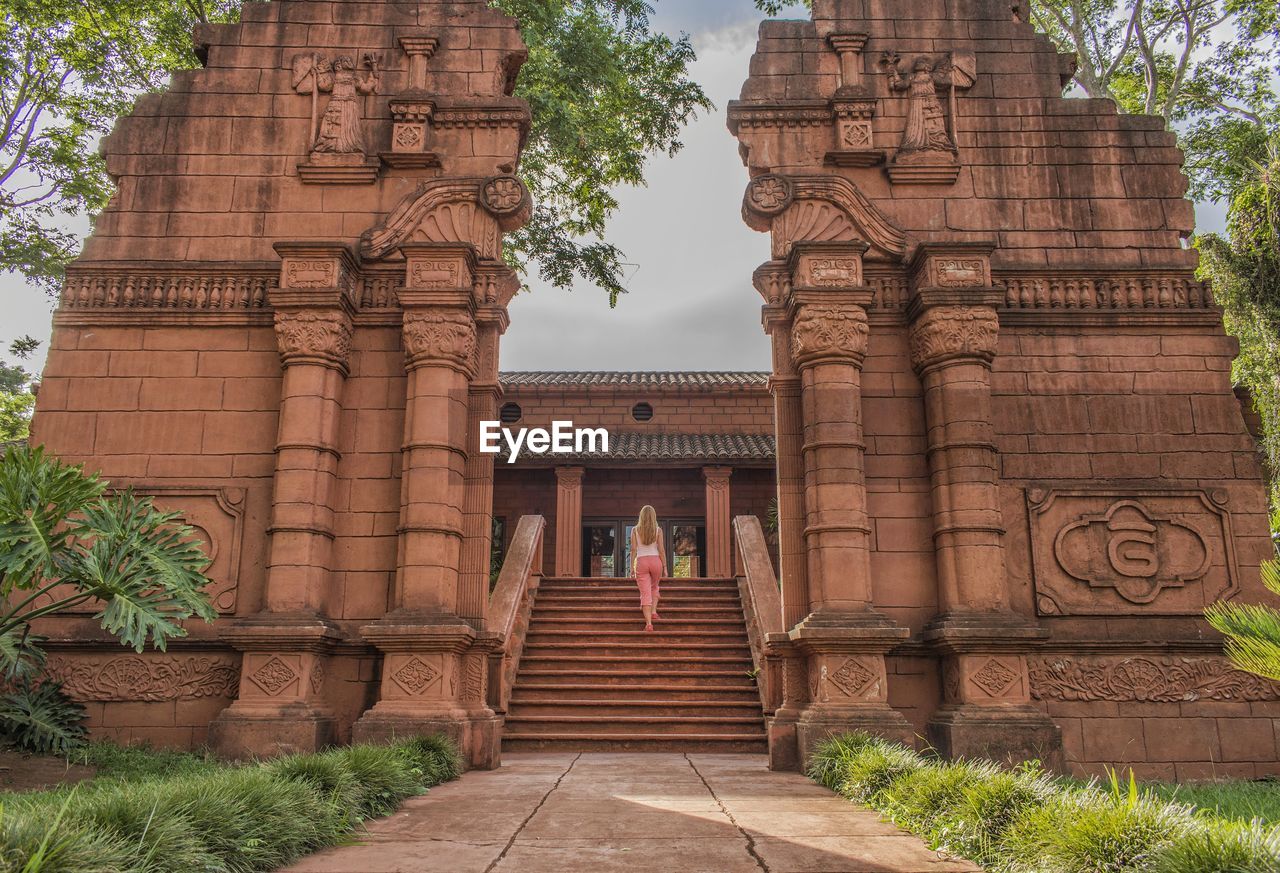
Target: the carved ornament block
(987, 678)
(273, 675)
(828, 270)
(838, 679)
(1130, 553)
(830, 332)
(145, 677)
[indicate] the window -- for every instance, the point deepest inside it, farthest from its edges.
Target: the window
(510, 413)
(642, 412)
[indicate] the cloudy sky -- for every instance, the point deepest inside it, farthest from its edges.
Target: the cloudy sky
(690, 303)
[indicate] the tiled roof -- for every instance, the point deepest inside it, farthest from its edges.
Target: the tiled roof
(672, 447)
(659, 380)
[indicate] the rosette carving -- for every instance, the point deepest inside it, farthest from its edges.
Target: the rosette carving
(440, 336)
(954, 332)
(829, 332)
(315, 336)
(770, 194)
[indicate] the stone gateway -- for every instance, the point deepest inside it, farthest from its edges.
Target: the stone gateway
(1008, 465)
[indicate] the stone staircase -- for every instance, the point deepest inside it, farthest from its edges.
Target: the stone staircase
(592, 679)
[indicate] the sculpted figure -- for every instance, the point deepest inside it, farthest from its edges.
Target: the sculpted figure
(339, 129)
(926, 129)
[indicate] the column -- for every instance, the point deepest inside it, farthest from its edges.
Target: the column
(843, 638)
(483, 398)
(569, 521)
(981, 641)
(434, 660)
(280, 707)
(719, 536)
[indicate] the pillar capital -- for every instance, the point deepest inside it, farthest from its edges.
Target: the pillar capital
(440, 336)
(570, 477)
(952, 274)
(829, 332)
(940, 334)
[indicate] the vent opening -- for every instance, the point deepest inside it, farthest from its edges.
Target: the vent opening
(511, 413)
(642, 412)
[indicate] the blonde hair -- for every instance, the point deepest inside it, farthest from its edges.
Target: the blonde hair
(647, 526)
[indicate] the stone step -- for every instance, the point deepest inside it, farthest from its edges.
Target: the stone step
(673, 611)
(522, 707)
(636, 633)
(745, 743)
(603, 581)
(620, 676)
(623, 619)
(622, 725)
(658, 664)
(666, 650)
(538, 689)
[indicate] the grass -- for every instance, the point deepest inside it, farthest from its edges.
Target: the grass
(1236, 801)
(1025, 821)
(162, 812)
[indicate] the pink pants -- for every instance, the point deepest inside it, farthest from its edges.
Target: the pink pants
(648, 575)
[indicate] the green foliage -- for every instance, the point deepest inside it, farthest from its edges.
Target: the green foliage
(1252, 630)
(1023, 821)
(17, 400)
(41, 718)
(606, 93)
(65, 541)
(217, 819)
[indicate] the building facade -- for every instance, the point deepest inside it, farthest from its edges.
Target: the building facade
(999, 437)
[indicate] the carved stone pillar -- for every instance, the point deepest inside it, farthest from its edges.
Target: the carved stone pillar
(719, 536)
(843, 637)
(569, 521)
(773, 281)
(280, 707)
(987, 707)
(434, 660)
(477, 515)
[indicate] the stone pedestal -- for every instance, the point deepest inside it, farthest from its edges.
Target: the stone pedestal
(280, 707)
(987, 707)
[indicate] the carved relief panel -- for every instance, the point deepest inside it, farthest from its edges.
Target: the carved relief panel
(837, 679)
(1130, 553)
(216, 516)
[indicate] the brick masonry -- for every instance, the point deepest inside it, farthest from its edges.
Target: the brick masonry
(1009, 456)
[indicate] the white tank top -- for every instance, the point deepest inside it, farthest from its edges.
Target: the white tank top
(646, 550)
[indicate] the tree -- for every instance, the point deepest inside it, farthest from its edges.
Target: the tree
(16, 397)
(1244, 268)
(1252, 630)
(606, 94)
(66, 542)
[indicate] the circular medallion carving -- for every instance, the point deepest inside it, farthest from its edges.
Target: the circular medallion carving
(503, 195)
(770, 194)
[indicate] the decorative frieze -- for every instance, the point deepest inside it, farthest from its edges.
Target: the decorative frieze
(1102, 292)
(194, 291)
(1145, 679)
(145, 677)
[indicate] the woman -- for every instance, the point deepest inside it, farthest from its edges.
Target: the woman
(648, 558)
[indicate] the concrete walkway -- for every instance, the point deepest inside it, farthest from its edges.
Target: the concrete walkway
(596, 813)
